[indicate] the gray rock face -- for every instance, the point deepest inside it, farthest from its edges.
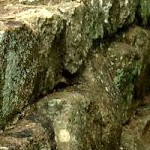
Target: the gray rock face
(90, 115)
(38, 42)
(44, 44)
(29, 64)
(19, 59)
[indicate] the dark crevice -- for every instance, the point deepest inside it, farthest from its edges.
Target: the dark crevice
(138, 19)
(72, 79)
(104, 43)
(142, 86)
(96, 43)
(57, 53)
(60, 86)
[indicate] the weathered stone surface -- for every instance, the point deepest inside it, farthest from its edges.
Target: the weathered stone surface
(29, 134)
(76, 41)
(115, 76)
(139, 38)
(94, 20)
(76, 119)
(90, 115)
(30, 60)
(48, 27)
(118, 14)
(18, 67)
(28, 1)
(76, 122)
(41, 41)
(51, 37)
(100, 83)
(136, 135)
(122, 65)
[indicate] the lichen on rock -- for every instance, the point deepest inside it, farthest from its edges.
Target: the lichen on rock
(72, 74)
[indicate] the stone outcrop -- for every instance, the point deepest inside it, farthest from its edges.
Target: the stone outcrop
(72, 73)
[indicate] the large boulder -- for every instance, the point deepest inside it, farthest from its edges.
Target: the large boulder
(30, 60)
(18, 68)
(67, 119)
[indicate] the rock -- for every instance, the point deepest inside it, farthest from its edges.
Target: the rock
(38, 42)
(90, 114)
(139, 38)
(29, 134)
(135, 136)
(113, 79)
(76, 122)
(44, 44)
(48, 27)
(18, 68)
(118, 14)
(80, 116)
(30, 61)
(124, 65)
(93, 20)
(76, 41)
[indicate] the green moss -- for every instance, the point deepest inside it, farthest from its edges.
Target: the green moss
(124, 82)
(117, 78)
(126, 76)
(125, 79)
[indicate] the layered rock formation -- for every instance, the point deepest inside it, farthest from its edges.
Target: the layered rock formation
(72, 74)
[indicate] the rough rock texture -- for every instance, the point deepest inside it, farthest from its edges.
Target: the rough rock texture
(29, 134)
(38, 42)
(136, 136)
(90, 115)
(88, 46)
(139, 38)
(25, 65)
